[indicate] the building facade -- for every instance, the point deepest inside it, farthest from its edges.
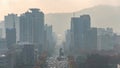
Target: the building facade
(50, 39)
(12, 22)
(91, 40)
(79, 27)
(32, 27)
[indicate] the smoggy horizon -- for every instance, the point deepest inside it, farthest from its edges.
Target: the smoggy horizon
(50, 6)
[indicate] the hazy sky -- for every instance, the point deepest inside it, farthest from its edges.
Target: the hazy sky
(50, 6)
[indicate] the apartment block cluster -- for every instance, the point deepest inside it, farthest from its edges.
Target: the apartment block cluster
(81, 38)
(27, 38)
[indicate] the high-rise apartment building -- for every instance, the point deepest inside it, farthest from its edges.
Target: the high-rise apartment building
(11, 25)
(32, 27)
(79, 28)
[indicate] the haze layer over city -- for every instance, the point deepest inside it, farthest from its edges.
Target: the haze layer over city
(59, 33)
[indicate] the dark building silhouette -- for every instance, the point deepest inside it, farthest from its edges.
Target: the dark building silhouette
(21, 55)
(91, 40)
(61, 53)
(27, 55)
(10, 37)
(3, 44)
(3, 61)
(79, 27)
(32, 27)
(11, 21)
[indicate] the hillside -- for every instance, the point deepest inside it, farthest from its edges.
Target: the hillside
(101, 16)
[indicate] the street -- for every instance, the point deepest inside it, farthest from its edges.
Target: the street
(53, 62)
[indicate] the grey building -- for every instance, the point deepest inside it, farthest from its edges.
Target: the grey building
(10, 37)
(91, 40)
(3, 46)
(3, 61)
(79, 27)
(11, 22)
(27, 55)
(50, 39)
(21, 55)
(106, 39)
(32, 27)
(67, 42)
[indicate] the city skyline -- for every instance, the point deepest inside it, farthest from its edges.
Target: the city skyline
(49, 34)
(17, 6)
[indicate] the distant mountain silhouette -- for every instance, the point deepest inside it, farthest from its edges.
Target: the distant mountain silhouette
(101, 16)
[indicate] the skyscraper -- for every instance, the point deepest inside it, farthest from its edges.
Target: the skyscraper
(67, 42)
(91, 40)
(79, 27)
(21, 55)
(10, 37)
(27, 55)
(50, 39)
(32, 27)
(11, 22)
